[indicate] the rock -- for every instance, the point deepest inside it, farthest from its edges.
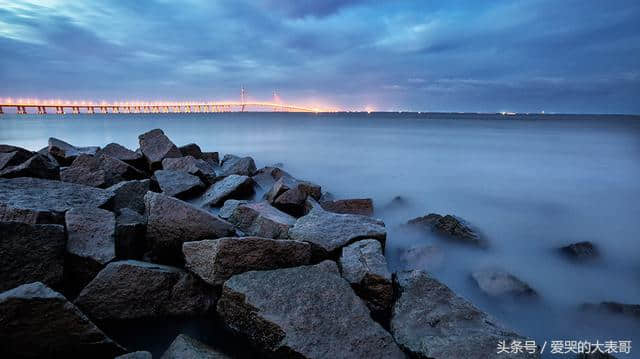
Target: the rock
(178, 184)
(211, 157)
(37, 166)
(431, 321)
(65, 153)
(185, 347)
(135, 355)
(36, 321)
(131, 229)
(13, 155)
(450, 227)
(328, 231)
(194, 151)
(498, 283)
(130, 194)
(99, 171)
(155, 147)
(124, 154)
(289, 194)
(303, 312)
(233, 186)
(580, 251)
(31, 253)
(33, 200)
(628, 310)
(234, 165)
(363, 265)
(262, 220)
(192, 166)
(267, 176)
(229, 206)
(172, 222)
(423, 257)
(132, 290)
(362, 206)
(217, 260)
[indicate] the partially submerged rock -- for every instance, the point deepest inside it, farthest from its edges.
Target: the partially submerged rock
(580, 251)
(132, 289)
(303, 312)
(262, 220)
(362, 206)
(498, 283)
(178, 184)
(99, 171)
(130, 194)
(450, 227)
(37, 166)
(196, 167)
(65, 153)
(156, 146)
(185, 347)
(430, 321)
(234, 165)
(233, 186)
(36, 322)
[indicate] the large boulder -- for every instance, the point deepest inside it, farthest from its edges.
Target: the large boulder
(430, 321)
(217, 260)
(234, 165)
(156, 146)
(13, 155)
(196, 167)
(362, 206)
(178, 184)
(31, 253)
(172, 222)
(233, 186)
(581, 251)
(130, 194)
(328, 232)
(262, 220)
(185, 347)
(194, 150)
(99, 171)
(363, 265)
(303, 312)
(37, 166)
(132, 289)
(289, 194)
(131, 229)
(123, 154)
(66, 153)
(33, 200)
(498, 283)
(449, 227)
(37, 322)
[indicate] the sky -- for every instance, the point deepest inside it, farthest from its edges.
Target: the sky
(568, 56)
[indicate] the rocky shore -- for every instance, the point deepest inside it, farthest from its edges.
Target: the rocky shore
(94, 236)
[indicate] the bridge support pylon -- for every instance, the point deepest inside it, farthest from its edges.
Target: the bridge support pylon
(1, 111)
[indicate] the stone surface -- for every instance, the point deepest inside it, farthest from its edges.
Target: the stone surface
(303, 312)
(31, 253)
(197, 167)
(36, 321)
(13, 155)
(234, 165)
(66, 153)
(431, 321)
(229, 206)
(194, 151)
(99, 171)
(132, 289)
(498, 283)
(581, 251)
(289, 194)
(262, 220)
(267, 176)
(233, 186)
(185, 347)
(131, 229)
(217, 260)
(178, 184)
(363, 265)
(37, 166)
(449, 227)
(130, 194)
(362, 206)
(156, 146)
(172, 222)
(33, 200)
(122, 153)
(328, 231)
(135, 355)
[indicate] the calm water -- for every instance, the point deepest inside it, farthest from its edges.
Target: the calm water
(530, 184)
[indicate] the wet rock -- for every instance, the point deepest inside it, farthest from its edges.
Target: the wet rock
(498, 283)
(185, 347)
(305, 312)
(156, 146)
(217, 260)
(234, 165)
(363, 265)
(99, 171)
(362, 206)
(229, 206)
(262, 220)
(13, 155)
(289, 194)
(431, 321)
(37, 166)
(450, 227)
(33, 200)
(233, 186)
(135, 355)
(194, 151)
(580, 251)
(628, 310)
(172, 222)
(37, 322)
(130, 194)
(178, 184)
(196, 167)
(124, 154)
(131, 229)
(132, 289)
(65, 153)
(428, 257)
(31, 253)
(328, 231)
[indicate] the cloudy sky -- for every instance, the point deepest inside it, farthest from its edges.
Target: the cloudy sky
(441, 55)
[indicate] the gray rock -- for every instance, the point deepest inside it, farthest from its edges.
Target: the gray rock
(194, 151)
(424, 257)
(498, 283)
(37, 322)
(303, 312)
(217, 260)
(362, 206)
(130, 194)
(229, 206)
(99, 171)
(363, 265)
(156, 146)
(289, 194)
(581, 251)
(172, 222)
(262, 220)
(131, 229)
(33, 200)
(628, 310)
(135, 355)
(65, 153)
(197, 167)
(233, 186)
(234, 165)
(267, 176)
(37, 166)
(13, 155)
(449, 227)
(328, 231)
(124, 154)
(185, 347)
(132, 290)
(431, 321)
(178, 184)
(31, 253)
